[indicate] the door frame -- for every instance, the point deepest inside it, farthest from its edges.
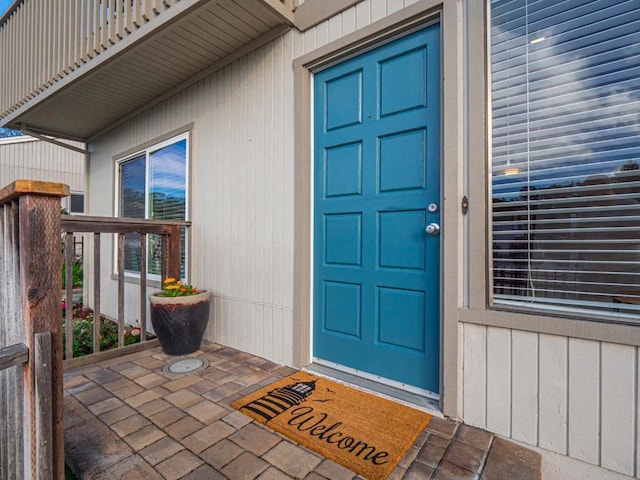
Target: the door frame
(407, 20)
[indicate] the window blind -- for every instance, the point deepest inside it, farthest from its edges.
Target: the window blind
(167, 180)
(565, 155)
(132, 205)
(167, 196)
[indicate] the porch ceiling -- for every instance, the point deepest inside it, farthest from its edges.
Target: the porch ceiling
(106, 90)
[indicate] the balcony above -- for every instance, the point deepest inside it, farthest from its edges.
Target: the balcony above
(73, 68)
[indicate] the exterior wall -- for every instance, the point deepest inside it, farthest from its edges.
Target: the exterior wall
(571, 396)
(242, 192)
(28, 158)
(565, 393)
(241, 196)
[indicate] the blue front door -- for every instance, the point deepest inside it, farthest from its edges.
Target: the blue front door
(377, 188)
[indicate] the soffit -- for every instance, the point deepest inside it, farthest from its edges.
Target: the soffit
(145, 71)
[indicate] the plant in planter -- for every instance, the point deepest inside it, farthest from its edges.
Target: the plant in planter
(179, 315)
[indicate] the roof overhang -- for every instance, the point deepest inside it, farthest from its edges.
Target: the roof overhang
(149, 66)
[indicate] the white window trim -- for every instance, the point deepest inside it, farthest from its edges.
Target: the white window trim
(66, 202)
(146, 150)
(83, 203)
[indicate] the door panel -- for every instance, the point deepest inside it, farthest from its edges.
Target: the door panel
(377, 169)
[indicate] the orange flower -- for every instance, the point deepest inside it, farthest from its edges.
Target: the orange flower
(175, 288)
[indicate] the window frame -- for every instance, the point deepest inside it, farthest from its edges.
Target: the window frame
(578, 288)
(474, 302)
(66, 202)
(147, 149)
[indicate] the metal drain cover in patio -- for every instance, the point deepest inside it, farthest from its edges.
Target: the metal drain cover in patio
(186, 365)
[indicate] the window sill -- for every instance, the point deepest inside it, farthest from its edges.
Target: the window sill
(545, 322)
(135, 280)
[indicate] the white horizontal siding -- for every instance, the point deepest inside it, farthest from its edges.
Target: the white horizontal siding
(571, 396)
(39, 160)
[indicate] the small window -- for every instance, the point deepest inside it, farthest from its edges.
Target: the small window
(565, 156)
(153, 185)
(76, 203)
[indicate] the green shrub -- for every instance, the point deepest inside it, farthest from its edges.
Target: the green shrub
(76, 274)
(83, 335)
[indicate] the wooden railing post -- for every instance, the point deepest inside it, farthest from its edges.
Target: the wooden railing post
(11, 391)
(39, 279)
(69, 256)
(173, 252)
(143, 287)
(45, 448)
(96, 292)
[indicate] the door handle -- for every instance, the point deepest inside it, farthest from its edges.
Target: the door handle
(433, 229)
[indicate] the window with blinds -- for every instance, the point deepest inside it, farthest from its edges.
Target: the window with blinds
(153, 185)
(565, 155)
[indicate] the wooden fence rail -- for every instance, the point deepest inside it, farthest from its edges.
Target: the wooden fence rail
(170, 233)
(31, 399)
(15, 356)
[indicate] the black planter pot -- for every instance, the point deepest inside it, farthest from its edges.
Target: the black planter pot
(180, 322)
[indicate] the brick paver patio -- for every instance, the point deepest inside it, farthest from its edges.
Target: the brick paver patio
(126, 419)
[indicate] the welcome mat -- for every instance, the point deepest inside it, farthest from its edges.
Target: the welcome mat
(363, 432)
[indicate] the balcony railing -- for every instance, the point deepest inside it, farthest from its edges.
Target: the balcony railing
(45, 41)
(170, 233)
(31, 350)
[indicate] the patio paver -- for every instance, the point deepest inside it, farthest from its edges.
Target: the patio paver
(125, 418)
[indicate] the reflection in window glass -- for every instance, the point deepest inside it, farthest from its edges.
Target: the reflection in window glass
(167, 195)
(565, 92)
(167, 177)
(153, 186)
